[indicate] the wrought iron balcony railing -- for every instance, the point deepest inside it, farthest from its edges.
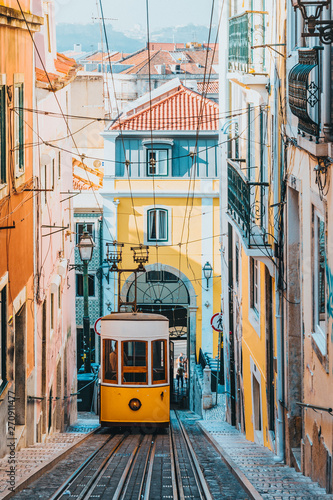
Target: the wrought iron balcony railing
(304, 89)
(247, 206)
(246, 31)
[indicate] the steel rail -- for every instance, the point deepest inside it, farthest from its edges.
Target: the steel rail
(199, 477)
(175, 467)
(151, 456)
(73, 476)
(127, 471)
(91, 484)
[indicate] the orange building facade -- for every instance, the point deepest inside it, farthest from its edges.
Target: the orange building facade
(17, 358)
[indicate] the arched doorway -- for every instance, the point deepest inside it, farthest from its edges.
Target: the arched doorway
(163, 289)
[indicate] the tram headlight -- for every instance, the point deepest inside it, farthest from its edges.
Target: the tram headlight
(135, 404)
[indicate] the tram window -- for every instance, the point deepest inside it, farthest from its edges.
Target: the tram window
(110, 361)
(159, 360)
(134, 364)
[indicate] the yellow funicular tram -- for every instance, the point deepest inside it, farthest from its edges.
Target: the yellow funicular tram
(135, 379)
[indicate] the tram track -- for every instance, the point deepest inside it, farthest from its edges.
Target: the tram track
(136, 466)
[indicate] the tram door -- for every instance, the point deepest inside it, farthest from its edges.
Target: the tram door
(171, 368)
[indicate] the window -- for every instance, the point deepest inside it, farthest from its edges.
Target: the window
(43, 183)
(91, 285)
(3, 172)
(161, 277)
(159, 361)
(319, 281)
(254, 284)
(157, 161)
(47, 18)
(237, 263)
(18, 128)
(89, 228)
(134, 362)
(52, 311)
(59, 164)
(110, 373)
(157, 225)
(52, 172)
(3, 338)
(250, 142)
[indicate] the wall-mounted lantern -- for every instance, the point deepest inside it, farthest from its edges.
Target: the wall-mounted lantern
(207, 271)
(311, 11)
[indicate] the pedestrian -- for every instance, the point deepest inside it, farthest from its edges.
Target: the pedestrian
(185, 370)
(180, 371)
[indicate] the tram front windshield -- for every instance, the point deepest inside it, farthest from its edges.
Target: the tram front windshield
(134, 362)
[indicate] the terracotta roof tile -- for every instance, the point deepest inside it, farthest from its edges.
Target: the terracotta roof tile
(179, 111)
(195, 61)
(210, 87)
(66, 71)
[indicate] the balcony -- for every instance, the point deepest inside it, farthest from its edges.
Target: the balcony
(245, 31)
(304, 90)
(247, 205)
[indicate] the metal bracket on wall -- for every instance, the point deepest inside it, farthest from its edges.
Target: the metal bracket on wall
(59, 228)
(8, 227)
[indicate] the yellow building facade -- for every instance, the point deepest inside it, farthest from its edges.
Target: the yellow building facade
(161, 190)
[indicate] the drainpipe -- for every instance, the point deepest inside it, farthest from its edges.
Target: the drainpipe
(280, 378)
(280, 161)
(326, 105)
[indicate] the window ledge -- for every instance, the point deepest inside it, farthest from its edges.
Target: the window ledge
(319, 347)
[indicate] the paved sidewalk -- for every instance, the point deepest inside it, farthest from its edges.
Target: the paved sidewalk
(31, 462)
(256, 468)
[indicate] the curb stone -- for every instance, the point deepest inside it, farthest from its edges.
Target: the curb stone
(26, 481)
(232, 466)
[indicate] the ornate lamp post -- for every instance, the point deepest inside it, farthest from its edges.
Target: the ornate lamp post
(311, 12)
(86, 247)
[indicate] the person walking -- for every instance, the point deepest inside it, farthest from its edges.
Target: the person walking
(180, 371)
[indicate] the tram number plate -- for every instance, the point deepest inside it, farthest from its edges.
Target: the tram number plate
(122, 454)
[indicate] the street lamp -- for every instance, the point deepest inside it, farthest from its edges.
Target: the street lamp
(86, 247)
(311, 12)
(207, 270)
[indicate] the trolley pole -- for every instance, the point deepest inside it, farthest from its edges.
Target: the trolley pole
(86, 320)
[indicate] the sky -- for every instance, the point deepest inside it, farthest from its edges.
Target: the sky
(131, 14)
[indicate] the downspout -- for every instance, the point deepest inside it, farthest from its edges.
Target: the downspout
(326, 105)
(278, 187)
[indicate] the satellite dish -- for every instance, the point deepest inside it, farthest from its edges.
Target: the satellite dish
(97, 163)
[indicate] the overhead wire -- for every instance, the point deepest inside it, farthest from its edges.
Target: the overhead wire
(57, 100)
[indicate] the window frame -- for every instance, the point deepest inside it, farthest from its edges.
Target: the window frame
(3, 338)
(165, 380)
(52, 315)
(157, 152)
(91, 276)
(79, 234)
(19, 129)
(3, 131)
(319, 335)
(134, 369)
(157, 229)
(254, 285)
(104, 379)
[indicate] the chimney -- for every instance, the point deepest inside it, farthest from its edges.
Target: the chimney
(77, 47)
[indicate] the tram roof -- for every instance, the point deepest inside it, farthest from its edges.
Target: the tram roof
(134, 316)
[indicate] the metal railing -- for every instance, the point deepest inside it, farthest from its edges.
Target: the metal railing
(247, 31)
(247, 202)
